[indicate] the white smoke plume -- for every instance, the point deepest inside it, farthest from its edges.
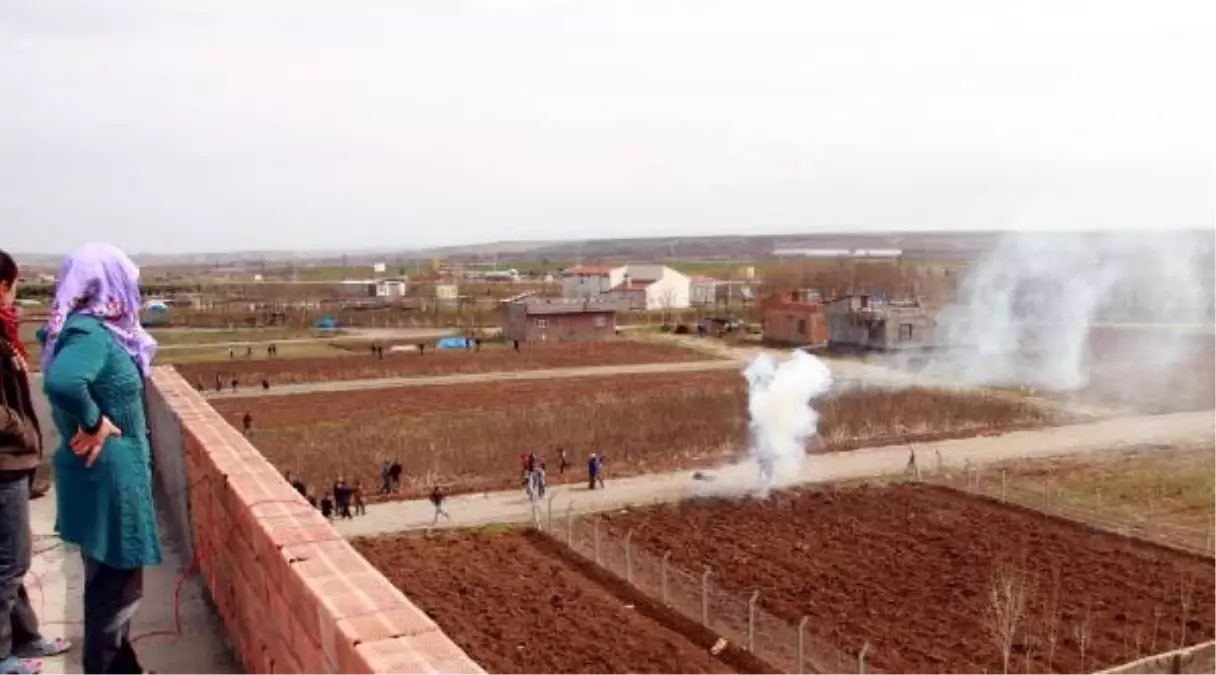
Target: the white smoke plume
(1027, 312)
(782, 419)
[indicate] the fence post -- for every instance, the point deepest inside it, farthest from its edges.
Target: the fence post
(663, 575)
(1004, 484)
(570, 525)
(1098, 498)
(1046, 494)
(1148, 519)
(629, 556)
(550, 525)
(802, 644)
(598, 560)
(751, 621)
(861, 658)
(705, 598)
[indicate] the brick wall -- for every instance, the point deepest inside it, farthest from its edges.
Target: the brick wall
(1199, 659)
(292, 593)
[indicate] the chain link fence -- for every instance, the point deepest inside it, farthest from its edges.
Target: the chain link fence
(790, 648)
(1086, 508)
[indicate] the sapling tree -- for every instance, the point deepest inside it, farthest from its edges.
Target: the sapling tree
(1007, 596)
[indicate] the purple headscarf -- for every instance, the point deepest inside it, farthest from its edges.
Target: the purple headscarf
(101, 281)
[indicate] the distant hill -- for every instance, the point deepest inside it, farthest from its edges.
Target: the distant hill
(958, 246)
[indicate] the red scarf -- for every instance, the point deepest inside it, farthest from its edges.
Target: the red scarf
(8, 326)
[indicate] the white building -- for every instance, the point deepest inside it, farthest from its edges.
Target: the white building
(391, 288)
(702, 290)
(650, 287)
(446, 291)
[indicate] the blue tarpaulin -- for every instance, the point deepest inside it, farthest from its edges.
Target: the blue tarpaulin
(154, 315)
(453, 343)
(326, 323)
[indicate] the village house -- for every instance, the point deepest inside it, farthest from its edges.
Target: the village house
(870, 321)
(796, 318)
(649, 287)
(702, 290)
(530, 319)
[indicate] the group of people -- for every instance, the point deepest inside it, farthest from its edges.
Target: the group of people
(536, 477)
(234, 382)
(95, 359)
(337, 502)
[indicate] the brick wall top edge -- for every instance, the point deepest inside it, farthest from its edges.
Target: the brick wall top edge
(395, 634)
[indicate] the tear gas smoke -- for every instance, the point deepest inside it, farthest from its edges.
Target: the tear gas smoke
(779, 404)
(1027, 312)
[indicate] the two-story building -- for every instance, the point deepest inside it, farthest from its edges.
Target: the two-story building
(649, 287)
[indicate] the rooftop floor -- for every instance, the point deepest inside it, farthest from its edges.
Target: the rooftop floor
(56, 587)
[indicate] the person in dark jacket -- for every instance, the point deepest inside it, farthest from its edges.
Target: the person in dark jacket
(342, 495)
(594, 472)
(21, 643)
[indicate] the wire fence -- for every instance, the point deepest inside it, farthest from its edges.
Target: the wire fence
(1088, 508)
(790, 648)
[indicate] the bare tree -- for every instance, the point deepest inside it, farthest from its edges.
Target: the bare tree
(1006, 607)
(1186, 590)
(1081, 632)
(1051, 622)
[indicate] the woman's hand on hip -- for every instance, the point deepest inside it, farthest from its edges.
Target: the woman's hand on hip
(89, 446)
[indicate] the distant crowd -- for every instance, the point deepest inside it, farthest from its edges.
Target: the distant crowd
(342, 500)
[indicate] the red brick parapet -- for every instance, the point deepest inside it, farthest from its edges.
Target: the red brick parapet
(293, 594)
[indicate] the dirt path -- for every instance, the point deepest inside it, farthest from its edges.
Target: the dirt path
(1177, 429)
(544, 374)
(348, 335)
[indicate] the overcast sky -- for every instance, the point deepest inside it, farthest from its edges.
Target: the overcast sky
(298, 124)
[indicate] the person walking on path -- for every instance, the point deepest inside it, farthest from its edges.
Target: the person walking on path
(95, 362)
(563, 462)
(21, 644)
(386, 477)
(595, 468)
(247, 425)
(394, 474)
(357, 496)
(541, 480)
(437, 497)
(342, 499)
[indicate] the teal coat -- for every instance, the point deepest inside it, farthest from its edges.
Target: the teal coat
(107, 509)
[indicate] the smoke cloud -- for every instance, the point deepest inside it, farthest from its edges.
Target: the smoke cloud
(782, 419)
(1030, 312)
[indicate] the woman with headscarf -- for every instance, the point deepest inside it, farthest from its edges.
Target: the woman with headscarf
(21, 644)
(96, 358)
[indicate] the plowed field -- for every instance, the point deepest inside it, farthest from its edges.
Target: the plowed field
(436, 362)
(515, 605)
(471, 436)
(912, 569)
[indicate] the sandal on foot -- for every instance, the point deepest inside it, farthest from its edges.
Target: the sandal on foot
(14, 665)
(42, 648)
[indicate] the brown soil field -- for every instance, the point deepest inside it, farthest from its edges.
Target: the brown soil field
(438, 362)
(470, 437)
(516, 605)
(911, 570)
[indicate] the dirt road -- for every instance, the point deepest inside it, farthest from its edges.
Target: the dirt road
(1191, 428)
(545, 374)
(348, 335)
